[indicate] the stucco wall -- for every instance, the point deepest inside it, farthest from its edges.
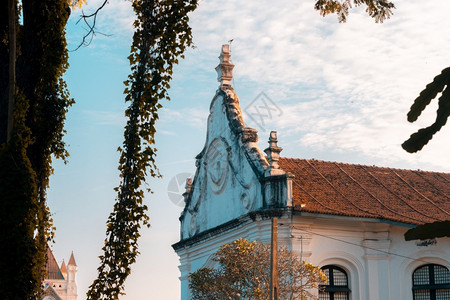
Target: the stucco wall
(378, 261)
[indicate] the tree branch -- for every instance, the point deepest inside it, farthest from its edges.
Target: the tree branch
(91, 32)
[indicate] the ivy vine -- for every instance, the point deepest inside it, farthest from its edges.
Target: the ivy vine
(162, 34)
(41, 101)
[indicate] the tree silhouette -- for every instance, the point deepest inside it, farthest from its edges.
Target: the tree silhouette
(429, 231)
(33, 104)
(440, 84)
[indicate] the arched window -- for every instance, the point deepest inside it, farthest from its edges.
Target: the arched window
(431, 282)
(337, 285)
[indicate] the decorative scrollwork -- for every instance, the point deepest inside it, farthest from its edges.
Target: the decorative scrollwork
(217, 166)
(193, 226)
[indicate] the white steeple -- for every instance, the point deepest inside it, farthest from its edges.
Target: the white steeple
(71, 278)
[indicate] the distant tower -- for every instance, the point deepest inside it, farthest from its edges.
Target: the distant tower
(60, 283)
(71, 279)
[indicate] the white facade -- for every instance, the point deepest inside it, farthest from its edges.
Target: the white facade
(236, 192)
(377, 259)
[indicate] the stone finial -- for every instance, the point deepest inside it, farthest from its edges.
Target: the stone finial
(188, 188)
(225, 68)
(273, 155)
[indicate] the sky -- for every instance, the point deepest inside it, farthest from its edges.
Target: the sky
(337, 92)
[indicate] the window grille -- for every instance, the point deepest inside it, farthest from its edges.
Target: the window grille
(337, 285)
(431, 282)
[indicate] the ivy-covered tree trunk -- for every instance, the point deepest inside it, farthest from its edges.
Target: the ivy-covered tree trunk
(12, 24)
(161, 36)
(41, 102)
(4, 70)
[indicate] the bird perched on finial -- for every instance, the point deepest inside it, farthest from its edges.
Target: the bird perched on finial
(229, 43)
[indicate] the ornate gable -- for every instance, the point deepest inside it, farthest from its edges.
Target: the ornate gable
(231, 170)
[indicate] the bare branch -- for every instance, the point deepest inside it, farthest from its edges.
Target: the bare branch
(90, 20)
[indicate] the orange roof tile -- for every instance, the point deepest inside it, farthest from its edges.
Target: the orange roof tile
(406, 196)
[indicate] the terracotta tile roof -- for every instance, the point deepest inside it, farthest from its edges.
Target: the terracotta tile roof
(407, 196)
(53, 271)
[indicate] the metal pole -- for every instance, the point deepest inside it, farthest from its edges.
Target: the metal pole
(274, 261)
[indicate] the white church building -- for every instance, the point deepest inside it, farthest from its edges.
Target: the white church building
(60, 282)
(347, 219)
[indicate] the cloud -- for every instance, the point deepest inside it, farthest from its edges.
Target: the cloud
(106, 118)
(348, 86)
(195, 117)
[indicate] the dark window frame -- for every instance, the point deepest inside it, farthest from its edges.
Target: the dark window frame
(431, 286)
(330, 287)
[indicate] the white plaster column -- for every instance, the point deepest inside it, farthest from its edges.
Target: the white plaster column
(377, 260)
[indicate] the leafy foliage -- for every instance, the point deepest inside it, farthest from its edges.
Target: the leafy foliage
(22, 260)
(76, 3)
(379, 10)
(162, 34)
(41, 103)
(244, 273)
(440, 84)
